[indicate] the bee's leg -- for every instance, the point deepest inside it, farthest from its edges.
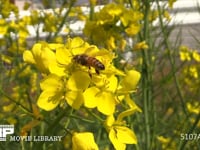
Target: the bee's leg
(97, 71)
(89, 72)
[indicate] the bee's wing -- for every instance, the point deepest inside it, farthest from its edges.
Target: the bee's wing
(93, 51)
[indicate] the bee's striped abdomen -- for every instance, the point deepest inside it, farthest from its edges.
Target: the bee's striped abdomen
(86, 60)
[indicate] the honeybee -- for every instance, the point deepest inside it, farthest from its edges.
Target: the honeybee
(89, 61)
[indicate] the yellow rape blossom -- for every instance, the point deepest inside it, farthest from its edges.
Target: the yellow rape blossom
(76, 84)
(93, 2)
(109, 13)
(104, 99)
(193, 71)
(56, 89)
(185, 53)
(7, 8)
(171, 3)
(83, 141)
(3, 27)
(163, 139)
(68, 82)
(35, 17)
(119, 134)
(128, 84)
(77, 46)
(53, 92)
(41, 56)
(167, 143)
(51, 22)
(167, 15)
(107, 25)
(11, 120)
(26, 5)
(196, 56)
(193, 108)
(153, 15)
(140, 46)
(133, 29)
(133, 108)
(8, 108)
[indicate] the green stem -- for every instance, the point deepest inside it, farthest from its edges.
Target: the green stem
(51, 128)
(146, 78)
(172, 62)
(94, 115)
(17, 103)
(65, 17)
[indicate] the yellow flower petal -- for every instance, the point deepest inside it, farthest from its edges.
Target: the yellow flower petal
(8, 108)
(41, 56)
(44, 57)
(131, 80)
(140, 45)
(109, 121)
(126, 113)
(90, 99)
(55, 46)
(133, 29)
(78, 81)
(74, 99)
(112, 70)
(28, 57)
(133, 108)
(45, 102)
(112, 83)
(63, 56)
(163, 139)
(51, 83)
(116, 143)
(83, 141)
(125, 135)
(106, 103)
(55, 68)
(193, 108)
(77, 45)
(75, 42)
(196, 55)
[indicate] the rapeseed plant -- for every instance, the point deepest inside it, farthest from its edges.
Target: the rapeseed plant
(67, 82)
